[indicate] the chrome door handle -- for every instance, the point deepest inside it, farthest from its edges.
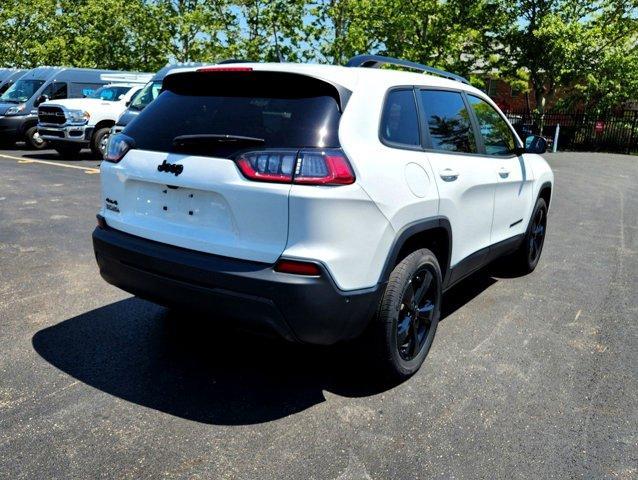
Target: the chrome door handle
(449, 175)
(504, 172)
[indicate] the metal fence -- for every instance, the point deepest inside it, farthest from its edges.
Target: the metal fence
(610, 132)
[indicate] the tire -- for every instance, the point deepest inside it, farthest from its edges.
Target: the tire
(69, 152)
(97, 145)
(33, 140)
(393, 330)
(526, 257)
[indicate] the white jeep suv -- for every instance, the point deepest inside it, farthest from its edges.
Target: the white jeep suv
(319, 202)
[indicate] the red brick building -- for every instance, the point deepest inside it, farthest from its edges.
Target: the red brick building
(509, 99)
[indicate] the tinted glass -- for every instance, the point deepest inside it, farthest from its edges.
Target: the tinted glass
(497, 136)
(55, 91)
(399, 122)
(84, 89)
(21, 91)
(5, 87)
(111, 94)
(282, 110)
(145, 96)
(448, 121)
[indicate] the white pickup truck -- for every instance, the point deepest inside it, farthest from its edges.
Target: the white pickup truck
(72, 124)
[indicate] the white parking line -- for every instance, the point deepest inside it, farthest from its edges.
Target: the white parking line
(90, 170)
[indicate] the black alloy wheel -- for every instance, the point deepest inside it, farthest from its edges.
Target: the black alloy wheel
(416, 313)
(525, 258)
(404, 327)
(537, 235)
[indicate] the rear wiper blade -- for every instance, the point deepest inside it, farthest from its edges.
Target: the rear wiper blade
(183, 140)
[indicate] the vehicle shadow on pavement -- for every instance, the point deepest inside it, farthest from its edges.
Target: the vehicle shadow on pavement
(185, 365)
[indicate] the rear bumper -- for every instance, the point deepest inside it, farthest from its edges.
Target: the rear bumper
(298, 308)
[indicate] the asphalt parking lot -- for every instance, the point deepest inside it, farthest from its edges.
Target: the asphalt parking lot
(531, 377)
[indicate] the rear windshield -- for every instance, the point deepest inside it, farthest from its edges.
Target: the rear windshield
(110, 93)
(275, 110)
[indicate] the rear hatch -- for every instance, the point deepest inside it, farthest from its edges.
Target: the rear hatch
(181, 183)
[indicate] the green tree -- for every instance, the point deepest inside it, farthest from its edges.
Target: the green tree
(25, 27)
(565, 44)
(442, 33)
(196, 28)
(341, 29)
(117, 34)
(266, 28)
(99, 34)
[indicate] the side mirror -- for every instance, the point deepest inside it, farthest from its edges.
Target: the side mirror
(40, 99)
(128, 102)
(535, 144)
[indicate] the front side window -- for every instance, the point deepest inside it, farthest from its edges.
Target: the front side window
(448, 121)
(55, 91)
(21, 91)
(5, 87)
(399, 122)
(145, 96)
(497, 135)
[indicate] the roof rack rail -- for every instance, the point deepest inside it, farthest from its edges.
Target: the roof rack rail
(375, 61)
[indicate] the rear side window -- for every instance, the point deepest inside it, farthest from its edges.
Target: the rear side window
(266, 109)
(497, 135)
(399, 122)
(448, 121)
(84, 89)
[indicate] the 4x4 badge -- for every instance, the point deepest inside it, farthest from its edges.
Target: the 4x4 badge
(170, 168)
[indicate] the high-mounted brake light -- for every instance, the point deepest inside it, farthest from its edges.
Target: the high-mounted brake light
(297, 268)
(307, 167)
(117, 147)
(225, 69)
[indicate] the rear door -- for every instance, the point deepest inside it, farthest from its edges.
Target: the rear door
(181, 185)
(465, 179)
(514, 183)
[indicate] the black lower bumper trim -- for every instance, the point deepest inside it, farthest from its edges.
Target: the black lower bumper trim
(306, 309)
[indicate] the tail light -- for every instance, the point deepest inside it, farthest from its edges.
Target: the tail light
(268, 166)
(117, 147)
(101, 222)
(307, 167)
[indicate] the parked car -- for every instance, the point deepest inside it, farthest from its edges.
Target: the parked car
(149, 93)
(319, 202)
(8, 76)
(75, 123)
(18, 105)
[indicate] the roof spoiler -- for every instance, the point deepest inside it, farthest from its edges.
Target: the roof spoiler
(376, 61)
